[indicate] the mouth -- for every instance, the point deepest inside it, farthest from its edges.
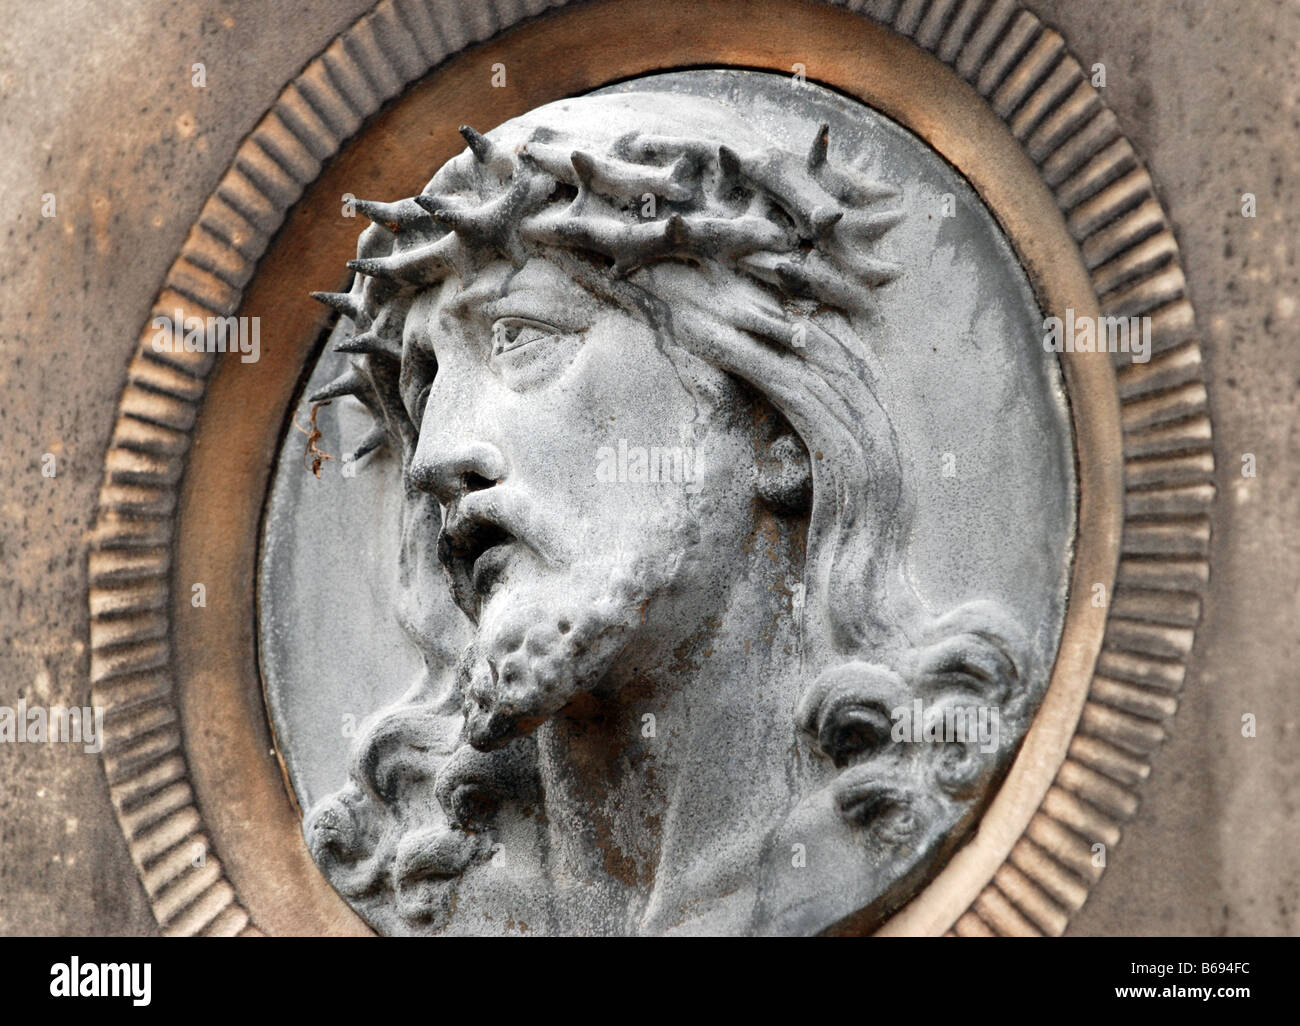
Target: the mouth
(474, 551)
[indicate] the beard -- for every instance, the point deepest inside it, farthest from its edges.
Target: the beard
(417, 815)
(419, 811)
(544, 639)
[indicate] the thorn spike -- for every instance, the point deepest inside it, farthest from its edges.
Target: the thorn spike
(431, 203)
(478, 144)
(821, 142)
(729, 161)
(349, 382)
(371, 267)
(369, 344)
(675, 231)
(583, 164)
(344, 302)
(391, 216)
(373, 440)
(824, 219)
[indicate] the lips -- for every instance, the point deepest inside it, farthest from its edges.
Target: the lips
(475, 550)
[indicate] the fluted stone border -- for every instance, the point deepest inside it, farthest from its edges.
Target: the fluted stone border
(1023, 70)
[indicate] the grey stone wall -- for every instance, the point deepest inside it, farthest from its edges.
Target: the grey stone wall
(96, 106)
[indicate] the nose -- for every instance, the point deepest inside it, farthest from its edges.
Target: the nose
(450, 465)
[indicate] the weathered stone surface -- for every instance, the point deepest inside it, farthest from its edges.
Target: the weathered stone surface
(1208, 96)
(696, 613)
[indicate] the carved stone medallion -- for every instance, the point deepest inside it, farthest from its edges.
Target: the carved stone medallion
(708, 501)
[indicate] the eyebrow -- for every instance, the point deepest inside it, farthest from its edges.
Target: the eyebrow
(537, 304)
(478, 292)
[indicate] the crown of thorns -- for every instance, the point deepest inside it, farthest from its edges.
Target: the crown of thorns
(793, 223)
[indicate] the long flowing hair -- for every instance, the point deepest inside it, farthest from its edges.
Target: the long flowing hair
(759, 257)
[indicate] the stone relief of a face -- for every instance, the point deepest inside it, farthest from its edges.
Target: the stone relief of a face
(645, 446)
(569, 575)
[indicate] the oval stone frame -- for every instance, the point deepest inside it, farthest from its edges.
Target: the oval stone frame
(195, 781)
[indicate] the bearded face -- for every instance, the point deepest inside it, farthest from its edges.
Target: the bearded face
(576, 494)
(647, 457)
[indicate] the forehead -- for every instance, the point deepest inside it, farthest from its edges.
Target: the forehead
(539, 290)
(502, 289)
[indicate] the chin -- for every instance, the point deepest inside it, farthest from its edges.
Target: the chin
(538, 647)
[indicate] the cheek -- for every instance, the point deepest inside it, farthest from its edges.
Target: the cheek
(621, 396)
(726, 482)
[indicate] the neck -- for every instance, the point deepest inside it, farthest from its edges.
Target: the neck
(659, 792)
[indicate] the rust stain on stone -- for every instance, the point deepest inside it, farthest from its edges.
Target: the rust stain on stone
(316, 455)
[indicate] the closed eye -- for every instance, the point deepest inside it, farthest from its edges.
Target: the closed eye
(510, 333)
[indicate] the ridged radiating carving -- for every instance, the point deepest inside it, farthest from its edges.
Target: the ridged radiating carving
(1035, 85)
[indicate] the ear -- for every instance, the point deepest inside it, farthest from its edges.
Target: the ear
(785, 475)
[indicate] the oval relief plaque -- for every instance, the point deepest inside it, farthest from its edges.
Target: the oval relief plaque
(763, 498)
